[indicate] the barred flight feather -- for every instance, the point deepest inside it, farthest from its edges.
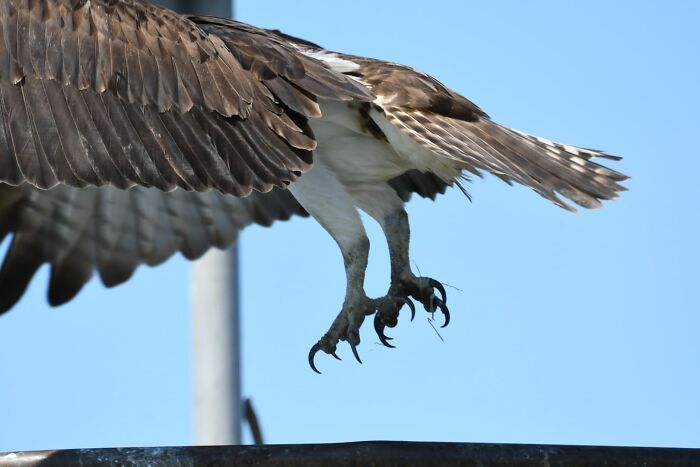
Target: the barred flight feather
(545, 166)
(78, 231)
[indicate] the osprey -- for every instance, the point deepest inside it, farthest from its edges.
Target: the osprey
(129, 132)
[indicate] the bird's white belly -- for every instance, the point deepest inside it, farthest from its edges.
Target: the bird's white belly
(357, 157)
(354, 155)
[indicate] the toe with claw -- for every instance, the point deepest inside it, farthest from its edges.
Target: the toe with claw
(346, 326)
(325, 345)
(388, 308)
(379, 327)
(433, 306)
(423, 290)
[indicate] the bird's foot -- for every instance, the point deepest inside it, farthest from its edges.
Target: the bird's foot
(387, 315)
(422, 289)
(346, 326)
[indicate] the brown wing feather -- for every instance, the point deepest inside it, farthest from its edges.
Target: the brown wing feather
(125, 93)
(270, 58)
(546, 167)
(451, 126)
(425, 184)
(96, 44)
(406, 87)
(112, 231)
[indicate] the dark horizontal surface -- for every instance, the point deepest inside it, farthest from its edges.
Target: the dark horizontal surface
(368, 453)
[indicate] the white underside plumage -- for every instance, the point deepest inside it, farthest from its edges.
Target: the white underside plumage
(351, 170)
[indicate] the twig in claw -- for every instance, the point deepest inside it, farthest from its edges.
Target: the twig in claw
(430, 321)
(417, 268)
(453, 287)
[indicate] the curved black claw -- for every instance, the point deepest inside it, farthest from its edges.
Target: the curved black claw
(445, 311)
(379, 327)
(434, 304)
(312, 353)
(335, 355)
(410, 304)
(354, 352)
(436, 285)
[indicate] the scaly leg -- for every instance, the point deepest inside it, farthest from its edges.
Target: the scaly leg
(384, 205)
(325, 198)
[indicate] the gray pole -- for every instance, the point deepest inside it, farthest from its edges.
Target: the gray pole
(216, 348)
(215, 319)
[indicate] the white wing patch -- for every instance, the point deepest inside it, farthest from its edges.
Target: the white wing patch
(336, 63)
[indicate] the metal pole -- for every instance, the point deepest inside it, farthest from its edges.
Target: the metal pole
(215, 319)
(216, 348)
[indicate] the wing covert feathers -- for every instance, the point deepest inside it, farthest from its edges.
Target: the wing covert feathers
(124, 93)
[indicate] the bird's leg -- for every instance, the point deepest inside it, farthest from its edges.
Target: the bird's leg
(325, 198)
(404, 283)
(383, 204)
(346, 326)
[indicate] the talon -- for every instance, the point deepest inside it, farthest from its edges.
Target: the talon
(335, 355)
(312, 353)
(379, 327)
(354, 352)
(436, 285)
(436, 303)
(411, 306)
(445, 311)
(391, 325)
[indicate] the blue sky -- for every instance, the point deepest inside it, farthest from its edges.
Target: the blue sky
(567, 329)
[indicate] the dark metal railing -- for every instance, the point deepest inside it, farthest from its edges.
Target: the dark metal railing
(379, 453)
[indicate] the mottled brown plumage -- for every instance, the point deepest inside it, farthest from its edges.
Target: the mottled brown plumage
(451, 126)
(129, 133)
(546, 167)
(127, 93)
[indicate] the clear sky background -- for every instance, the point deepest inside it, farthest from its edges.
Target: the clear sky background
(567, 329)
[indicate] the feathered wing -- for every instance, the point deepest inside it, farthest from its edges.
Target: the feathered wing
(124, 93)
(450, 126)
(550, 169)
(112, 231)
(107, 105)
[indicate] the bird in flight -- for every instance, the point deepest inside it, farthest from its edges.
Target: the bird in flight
(129, 132)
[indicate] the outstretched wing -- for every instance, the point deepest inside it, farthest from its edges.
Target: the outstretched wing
(454, 128)
(80, 230)
(418, 113)
(124, 93)
(550, 169)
